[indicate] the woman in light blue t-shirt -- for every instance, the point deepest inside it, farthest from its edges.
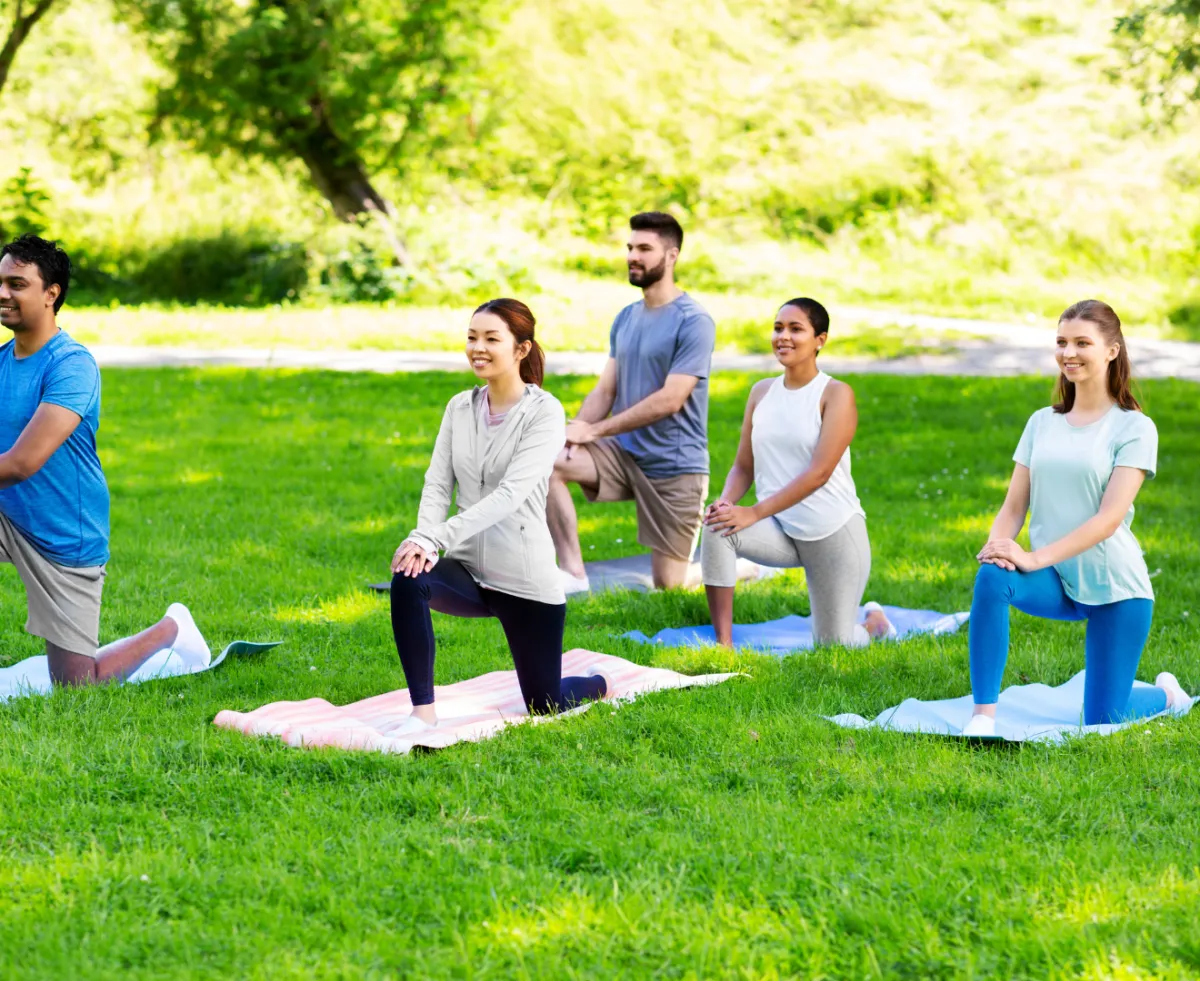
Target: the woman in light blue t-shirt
(1079, 466)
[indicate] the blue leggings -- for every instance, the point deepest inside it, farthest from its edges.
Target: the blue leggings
(1116, 634)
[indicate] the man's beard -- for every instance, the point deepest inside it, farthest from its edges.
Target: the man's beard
(648, 277)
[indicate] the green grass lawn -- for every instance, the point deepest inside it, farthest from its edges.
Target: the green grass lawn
(719, 832)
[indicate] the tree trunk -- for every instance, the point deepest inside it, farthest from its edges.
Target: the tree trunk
(23, 23)
(338, 173)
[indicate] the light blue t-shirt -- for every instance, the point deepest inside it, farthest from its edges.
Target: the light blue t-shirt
(1069, 469)
(674, 339)
(63, 508)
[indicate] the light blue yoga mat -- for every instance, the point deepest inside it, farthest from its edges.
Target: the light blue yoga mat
(794, 633)
(32, 676)
(1024, 712)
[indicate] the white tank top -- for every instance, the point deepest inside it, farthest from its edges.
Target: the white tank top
(786, 427)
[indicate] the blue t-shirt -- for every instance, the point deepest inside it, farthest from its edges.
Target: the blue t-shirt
(63, 508)
(674, 339)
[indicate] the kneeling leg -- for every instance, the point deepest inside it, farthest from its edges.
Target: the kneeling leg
(113, 662)
(1116, 635)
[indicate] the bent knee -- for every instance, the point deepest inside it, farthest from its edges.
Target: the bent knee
(67, 668)
(1105, 715)
(403, 585)
(846, 635)
(718, 559)
(992, 581)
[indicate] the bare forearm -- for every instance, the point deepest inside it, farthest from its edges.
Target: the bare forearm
(737, 482)
(12, 472)
(1007, 525)
(792, 494)
(596, 406)
(648, 411)
(1093, 531)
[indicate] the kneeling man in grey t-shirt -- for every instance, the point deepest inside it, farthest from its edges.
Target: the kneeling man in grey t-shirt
(642, 433)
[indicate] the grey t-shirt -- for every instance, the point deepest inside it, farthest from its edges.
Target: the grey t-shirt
(648, 345)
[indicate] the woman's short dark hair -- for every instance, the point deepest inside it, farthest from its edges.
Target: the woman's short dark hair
(53, 264)
(817, 315)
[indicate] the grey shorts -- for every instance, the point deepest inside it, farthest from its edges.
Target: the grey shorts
(63, 603)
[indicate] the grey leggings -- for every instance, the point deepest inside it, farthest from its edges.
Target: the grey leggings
(836, 568)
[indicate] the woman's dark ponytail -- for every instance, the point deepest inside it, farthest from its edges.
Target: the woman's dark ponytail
(520, 322)
(533, 366)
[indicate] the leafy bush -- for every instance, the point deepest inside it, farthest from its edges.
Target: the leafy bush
(1185, 319)
(23, 205)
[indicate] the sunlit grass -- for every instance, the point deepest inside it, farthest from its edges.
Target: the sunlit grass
(573, 315)
(718, 832)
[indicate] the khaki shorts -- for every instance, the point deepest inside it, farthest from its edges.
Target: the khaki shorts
(63, 603)
(669, 509)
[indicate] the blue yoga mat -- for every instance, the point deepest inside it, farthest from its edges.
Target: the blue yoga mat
(794, 633)
(1025, 712)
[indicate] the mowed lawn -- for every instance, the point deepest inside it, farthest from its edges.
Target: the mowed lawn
(719, 832)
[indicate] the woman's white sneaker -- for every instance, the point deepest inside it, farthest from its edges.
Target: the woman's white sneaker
(871, 607)
(408, 726)
(980, 725)
(597, 671)
(1177, 698)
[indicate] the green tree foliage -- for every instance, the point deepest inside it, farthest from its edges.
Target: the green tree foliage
(345, 86)
(961, 155)
(1162, 41)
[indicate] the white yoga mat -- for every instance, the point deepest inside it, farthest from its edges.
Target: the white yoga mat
(1024, 712)
(32, 676)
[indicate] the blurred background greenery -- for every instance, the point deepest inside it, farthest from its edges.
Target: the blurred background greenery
(998, 159)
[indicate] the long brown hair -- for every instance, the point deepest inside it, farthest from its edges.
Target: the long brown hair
(1120, 370)
(519, 319)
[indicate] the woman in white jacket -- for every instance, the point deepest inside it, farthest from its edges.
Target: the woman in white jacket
(497, 444)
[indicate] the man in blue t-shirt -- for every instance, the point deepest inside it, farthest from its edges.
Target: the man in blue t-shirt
(53, 496)
(642, 433)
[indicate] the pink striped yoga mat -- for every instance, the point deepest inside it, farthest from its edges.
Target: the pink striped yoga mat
(467, 710)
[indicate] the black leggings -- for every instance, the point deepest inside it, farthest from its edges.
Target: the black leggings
(534, 631)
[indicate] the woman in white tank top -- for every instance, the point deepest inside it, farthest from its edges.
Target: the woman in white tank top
(795, 449)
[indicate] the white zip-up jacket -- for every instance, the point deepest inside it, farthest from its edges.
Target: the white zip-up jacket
(499, 533)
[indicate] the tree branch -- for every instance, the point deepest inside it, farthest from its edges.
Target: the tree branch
(22, 25)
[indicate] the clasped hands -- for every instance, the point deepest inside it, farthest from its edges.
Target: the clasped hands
(579, 433)
(729, 518)
(1007, 554)
(411, 559)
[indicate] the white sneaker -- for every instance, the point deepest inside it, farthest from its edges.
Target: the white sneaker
(980, 725)
(408, 726)
(1177, 698)
(873, 607)
(189, 645)
(574, 584)
(597, 671)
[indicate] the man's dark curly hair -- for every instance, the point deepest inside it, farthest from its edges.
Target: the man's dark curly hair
(52, 263)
